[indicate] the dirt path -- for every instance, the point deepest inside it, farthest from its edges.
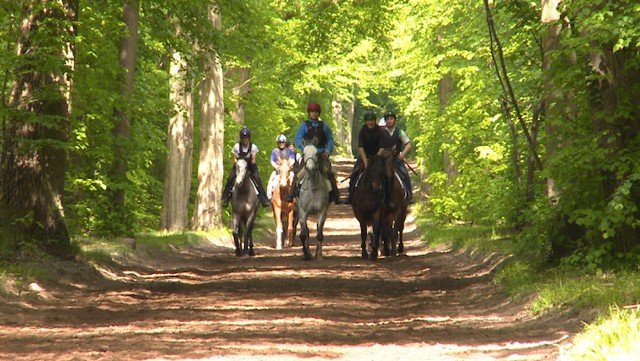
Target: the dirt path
(208, 304)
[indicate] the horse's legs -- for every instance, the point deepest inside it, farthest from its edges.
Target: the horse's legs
(304, 238)
(320, 235)
(375, 239)
(400, 243)
(277, 214)
(363, 240)
(236, 235)
(400, 225)
(248, 239)
(290, 231)
(296, 220)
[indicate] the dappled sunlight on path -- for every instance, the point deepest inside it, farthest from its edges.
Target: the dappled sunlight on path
(206, 304)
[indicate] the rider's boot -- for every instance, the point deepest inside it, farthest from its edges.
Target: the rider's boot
(262, 194)
(352, 185)
(226, 194)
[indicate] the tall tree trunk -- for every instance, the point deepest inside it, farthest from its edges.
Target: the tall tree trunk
(445, 88)
(33, 154)
(206, 214)
(554, 106)
(177, 176)
(336, 111)
(352, 129)
(122, 113)
(615, 83)
(240, 93)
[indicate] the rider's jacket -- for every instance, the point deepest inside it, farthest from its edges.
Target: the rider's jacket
(244, 155)
(371, 140)
(394, 139)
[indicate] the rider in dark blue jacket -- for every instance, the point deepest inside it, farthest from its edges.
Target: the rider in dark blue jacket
(312, 128)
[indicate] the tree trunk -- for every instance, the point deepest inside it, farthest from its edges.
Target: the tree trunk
(206, 214)
(352, 130)
(553, 100)
(445, 88)
(336, 111)
(240, 93)
(122, 128)
(33, 152)
(615, 83)
(177, 178)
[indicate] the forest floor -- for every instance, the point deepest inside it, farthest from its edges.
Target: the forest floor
(204, 303)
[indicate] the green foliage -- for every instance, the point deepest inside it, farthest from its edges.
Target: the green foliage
(613, 337)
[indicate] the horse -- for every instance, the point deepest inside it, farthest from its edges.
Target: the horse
(368, 203)
(283, 211)
(312, 200)
(394, 214)
(244, 203)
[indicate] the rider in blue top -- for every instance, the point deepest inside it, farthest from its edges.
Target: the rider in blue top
(312, 128)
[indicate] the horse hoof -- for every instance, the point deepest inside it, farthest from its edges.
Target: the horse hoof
(251, 253)
(364, 255)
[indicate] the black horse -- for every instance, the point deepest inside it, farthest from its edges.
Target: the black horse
(244, 202)
(368, 203)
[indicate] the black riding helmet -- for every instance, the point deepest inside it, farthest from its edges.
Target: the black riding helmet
(245, 133)
(390, 115)
(369, 116)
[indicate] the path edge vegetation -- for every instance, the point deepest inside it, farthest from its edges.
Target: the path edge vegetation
(608, 299)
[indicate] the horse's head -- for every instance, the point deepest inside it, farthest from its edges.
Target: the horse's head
(310, 157)
(387, 156)
(284, 173)
(241, 171)
(313, 141)
(375, 172)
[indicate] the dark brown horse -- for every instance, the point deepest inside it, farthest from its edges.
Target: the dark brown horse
(395, 214)
(368, 204)
(283, 211)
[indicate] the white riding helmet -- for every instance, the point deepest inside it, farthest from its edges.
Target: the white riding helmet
(281, 139)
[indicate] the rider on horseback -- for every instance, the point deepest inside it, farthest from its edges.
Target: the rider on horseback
(281, 153)
(244, 149)
(308, 130)
(372, 141)
(399, 142)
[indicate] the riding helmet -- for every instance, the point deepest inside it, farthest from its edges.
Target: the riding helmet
(281, 139)
(390, 115)
(245, 132)
(313, 107)
(369, 116)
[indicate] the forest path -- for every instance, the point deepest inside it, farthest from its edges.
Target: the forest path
(207, 304)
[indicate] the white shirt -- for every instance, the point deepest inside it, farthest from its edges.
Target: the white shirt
(236, 150)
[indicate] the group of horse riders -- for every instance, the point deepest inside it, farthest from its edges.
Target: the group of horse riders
(373, 139)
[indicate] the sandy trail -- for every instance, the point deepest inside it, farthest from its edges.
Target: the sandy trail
(205, 303)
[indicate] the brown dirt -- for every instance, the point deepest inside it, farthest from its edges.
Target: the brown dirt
(205, 303)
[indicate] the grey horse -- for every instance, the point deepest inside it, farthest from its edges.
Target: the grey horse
(244, 203)
(313, 200)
